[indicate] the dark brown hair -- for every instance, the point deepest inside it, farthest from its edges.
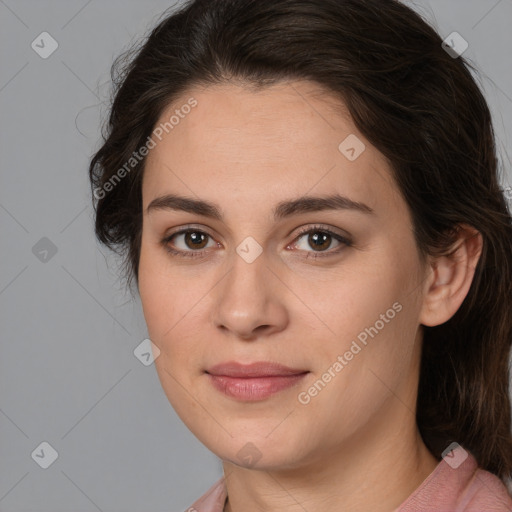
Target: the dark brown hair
(418, 105)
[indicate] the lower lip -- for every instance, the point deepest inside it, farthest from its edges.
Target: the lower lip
(253, 388)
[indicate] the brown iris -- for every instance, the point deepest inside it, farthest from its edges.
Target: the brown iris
(195, 238)
(318, 240)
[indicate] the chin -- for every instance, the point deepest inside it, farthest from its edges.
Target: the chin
(257, 451)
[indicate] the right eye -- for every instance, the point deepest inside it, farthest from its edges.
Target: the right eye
(192, 242)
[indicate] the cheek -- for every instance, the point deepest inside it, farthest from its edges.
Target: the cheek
(158, 293)
(355, 378)
(171, 307)
(168, 318)
(150, 291)
(371, 311)
(342, 302)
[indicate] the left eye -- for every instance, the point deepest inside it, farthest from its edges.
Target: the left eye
(319, 240)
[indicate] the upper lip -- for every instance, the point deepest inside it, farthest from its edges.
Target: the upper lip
(258, 369)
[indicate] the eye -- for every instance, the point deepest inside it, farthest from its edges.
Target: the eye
(320, 239)
(188, 243)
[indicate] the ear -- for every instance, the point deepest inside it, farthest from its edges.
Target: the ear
(451, 277)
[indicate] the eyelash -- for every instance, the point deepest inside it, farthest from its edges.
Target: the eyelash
(313, 229)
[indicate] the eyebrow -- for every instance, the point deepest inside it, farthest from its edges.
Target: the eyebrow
(282, 210)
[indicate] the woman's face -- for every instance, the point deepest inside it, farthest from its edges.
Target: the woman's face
(323, 287)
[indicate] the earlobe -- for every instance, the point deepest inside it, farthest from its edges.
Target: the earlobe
(452, 275)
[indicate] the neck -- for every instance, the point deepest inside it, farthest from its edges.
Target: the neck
(376, 469)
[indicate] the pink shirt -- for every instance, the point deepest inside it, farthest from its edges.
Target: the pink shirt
(465, 488)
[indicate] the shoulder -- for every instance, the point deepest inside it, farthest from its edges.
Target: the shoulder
(458, 485)
(486, 492)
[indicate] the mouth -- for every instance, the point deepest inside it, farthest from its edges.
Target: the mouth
(255, 381)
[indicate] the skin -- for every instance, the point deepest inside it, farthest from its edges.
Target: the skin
(355, 446)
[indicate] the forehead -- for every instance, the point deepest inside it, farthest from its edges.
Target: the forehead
(280, 140)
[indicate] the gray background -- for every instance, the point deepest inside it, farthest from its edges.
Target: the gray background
(68, 374)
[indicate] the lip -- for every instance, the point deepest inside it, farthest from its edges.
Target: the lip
(258, 369)
(255, 381)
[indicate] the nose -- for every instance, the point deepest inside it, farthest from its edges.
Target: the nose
(249, 302)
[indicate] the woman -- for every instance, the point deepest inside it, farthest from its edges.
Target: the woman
(306, 193)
